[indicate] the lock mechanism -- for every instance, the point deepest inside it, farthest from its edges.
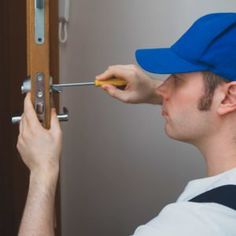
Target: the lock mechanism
(39, 103)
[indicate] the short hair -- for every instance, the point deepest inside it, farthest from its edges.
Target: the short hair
(211, 82)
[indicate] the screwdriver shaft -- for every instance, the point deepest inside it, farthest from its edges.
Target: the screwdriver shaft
(114, 81)
(72, 84)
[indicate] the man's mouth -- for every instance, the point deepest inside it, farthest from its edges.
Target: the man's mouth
(164, 112)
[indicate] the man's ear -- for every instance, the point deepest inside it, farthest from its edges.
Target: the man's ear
(228, 103)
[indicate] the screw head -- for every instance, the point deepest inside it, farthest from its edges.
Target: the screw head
(40, 94)
(40, 76)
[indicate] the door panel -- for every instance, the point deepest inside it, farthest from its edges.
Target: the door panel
(13, 70)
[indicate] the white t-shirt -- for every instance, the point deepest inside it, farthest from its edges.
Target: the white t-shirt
(185, 218)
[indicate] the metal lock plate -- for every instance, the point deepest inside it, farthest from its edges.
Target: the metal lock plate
(40, 4)
(39, 103)
(39, 21)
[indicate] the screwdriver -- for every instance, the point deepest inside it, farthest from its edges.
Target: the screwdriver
(98, 83)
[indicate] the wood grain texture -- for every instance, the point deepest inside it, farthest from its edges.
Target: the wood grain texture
(39, 57)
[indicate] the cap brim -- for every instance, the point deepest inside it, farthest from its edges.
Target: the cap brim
(164, 61)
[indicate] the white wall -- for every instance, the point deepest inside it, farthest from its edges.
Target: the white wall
(118, 167)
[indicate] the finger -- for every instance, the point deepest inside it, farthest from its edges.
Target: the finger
(116, 93)
(115, 66)
(30, 115)
(112, 71)
(20, 126)
(28, 106)
(55, 124)
(115, 71)
(105, 75)
(26, 101)
(19, 141)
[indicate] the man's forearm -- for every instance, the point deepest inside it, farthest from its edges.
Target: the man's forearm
(38, 217)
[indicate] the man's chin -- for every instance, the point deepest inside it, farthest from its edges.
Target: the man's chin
(176, 136)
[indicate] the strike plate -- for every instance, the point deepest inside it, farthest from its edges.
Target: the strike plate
(39, 21)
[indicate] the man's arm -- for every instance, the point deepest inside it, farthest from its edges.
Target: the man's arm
(40, 150)
(140, 88)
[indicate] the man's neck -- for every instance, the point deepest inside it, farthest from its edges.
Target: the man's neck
(219, 154)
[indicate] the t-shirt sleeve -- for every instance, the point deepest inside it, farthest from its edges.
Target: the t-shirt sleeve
(188, 218)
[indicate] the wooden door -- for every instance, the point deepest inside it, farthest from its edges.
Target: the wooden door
(14, 176)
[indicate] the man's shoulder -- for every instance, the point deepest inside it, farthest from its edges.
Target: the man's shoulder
(202, 185)
(191, 218)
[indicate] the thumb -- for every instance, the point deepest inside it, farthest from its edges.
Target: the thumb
(55, 124)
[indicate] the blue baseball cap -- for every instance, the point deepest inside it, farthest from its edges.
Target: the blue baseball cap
(208, 45)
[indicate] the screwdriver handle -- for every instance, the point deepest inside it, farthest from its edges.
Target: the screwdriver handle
(114, 81)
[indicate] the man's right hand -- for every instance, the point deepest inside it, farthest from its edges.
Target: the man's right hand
(140, 88)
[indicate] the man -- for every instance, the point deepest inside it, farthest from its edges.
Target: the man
(199, 107)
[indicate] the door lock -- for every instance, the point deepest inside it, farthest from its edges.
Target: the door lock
(39, 99)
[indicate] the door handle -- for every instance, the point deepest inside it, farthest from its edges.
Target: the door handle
(64, 116)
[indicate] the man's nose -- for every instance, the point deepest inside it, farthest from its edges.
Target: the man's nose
(163, 90)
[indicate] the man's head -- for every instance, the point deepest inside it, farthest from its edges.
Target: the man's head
(198, 106)
(203, 67)
(184, 98)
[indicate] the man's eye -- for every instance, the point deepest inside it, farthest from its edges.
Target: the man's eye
(177, 80)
